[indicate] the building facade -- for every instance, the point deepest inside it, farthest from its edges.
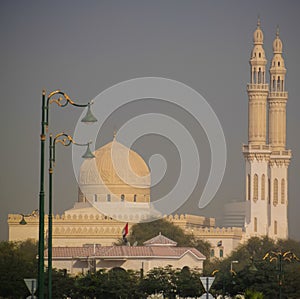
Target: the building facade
(156, 252)
(266, 156)
(114, 191)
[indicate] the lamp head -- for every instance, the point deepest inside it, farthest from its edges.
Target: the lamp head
(88, 153)
(89, 117)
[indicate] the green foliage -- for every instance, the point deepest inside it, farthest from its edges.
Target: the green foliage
(265, 278)
(144, 231)
(62, 284)
(17, 261)
(116, 283)
(249, 294)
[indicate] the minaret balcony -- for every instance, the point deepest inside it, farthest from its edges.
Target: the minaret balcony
(278, 95)
(263, 148)
(256, 86)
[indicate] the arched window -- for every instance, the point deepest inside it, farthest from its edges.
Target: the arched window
(275, 192)
(278, 83)
(108, 197)
(278, 63)
(122, 197)
(255, 224)
(275, 227)
(282, 191)
(263, 184)
(248, 187)
(255, 187)
(269, 191)
(221, 253)
(259, 55)
(212, 253)
(259, 75)
(95, 198)
(134, 197)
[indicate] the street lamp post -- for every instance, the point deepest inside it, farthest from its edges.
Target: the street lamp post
(65, 140)
(62, 101)
(280, 257)
(231, 266)
(232, 272)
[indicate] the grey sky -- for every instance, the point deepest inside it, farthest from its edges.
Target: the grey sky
(84, 47)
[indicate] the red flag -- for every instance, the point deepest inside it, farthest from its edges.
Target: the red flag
(125, 231)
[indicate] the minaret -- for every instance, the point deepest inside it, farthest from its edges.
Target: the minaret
(280, 157)
(257, 152)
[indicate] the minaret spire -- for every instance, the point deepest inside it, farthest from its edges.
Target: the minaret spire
(277, 97)
(257, 152)
(280, 156)
(258, 21)
(257, 91)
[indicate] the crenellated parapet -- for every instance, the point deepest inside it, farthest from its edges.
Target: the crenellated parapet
(217, 232)
(189, 221)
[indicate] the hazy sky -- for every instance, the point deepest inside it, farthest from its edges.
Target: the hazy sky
(84, 47)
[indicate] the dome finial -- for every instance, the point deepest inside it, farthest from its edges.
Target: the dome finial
(277, 31)
(115, 133)
(258, 21)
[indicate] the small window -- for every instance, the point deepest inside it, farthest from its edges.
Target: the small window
(259, 55)
(95, 198)
(221, 253)
(212, 253)
(108, 197)
(134, 198)
(122, 197)
(278, 63)
(255, 224)
(275, 227)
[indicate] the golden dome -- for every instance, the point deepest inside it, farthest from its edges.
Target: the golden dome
(115, 164)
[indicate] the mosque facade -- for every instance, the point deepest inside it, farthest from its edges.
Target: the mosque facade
(114, 191)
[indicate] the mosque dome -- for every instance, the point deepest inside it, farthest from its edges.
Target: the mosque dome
(112, 165)
(115, 171)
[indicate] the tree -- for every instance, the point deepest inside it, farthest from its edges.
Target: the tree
(188, 283)
(17, 261)
(160, 281)
(115, 284)
(144, 231)
(62, 284)
(265, 278)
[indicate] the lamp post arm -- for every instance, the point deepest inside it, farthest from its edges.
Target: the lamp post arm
(62, 101)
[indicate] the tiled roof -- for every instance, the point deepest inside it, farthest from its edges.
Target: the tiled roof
(124, 252)
(160, 240)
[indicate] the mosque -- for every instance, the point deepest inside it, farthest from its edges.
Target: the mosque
(264, 210)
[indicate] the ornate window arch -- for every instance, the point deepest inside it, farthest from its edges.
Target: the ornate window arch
(282, 191)
(255, 187)
(248, 187)
(275, 192)
(263, 187)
